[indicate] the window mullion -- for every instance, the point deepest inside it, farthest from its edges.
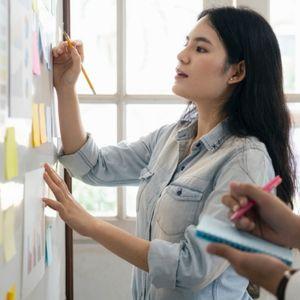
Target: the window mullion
(121, 91)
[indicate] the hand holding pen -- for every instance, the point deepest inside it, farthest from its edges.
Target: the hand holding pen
(273, 183)
(277, 222)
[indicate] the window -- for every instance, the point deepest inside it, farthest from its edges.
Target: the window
(286, 24)
(125, 42)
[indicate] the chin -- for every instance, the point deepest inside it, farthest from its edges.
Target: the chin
(181, 92)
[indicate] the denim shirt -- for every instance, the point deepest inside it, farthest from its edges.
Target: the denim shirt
(176, 188)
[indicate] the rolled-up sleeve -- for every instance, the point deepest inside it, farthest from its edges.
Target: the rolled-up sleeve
(112, 165)
(187, 264)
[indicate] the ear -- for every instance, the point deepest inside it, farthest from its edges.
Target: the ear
(238, 72)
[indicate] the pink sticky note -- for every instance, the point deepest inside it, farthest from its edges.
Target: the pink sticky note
(36, 68)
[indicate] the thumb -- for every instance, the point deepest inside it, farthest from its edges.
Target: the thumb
(224, 251)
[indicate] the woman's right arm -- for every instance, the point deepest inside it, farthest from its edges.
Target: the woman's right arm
(67, 67)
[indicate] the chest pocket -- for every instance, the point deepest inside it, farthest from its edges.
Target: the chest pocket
(178, 208)
(144, 178)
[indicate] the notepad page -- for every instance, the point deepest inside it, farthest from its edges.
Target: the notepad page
(227, 232)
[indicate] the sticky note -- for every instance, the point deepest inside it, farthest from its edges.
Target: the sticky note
(42, 121)
(36, 137)
(48, 123)
(1, 226)
(35, 6)
(11, 154)
(48, 255)
(36, 67)
(11, 294)
(9, 233)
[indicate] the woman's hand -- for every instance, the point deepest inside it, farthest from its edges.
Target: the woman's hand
(261, 269)
(270, 218)
(67, 64)
(69, 210)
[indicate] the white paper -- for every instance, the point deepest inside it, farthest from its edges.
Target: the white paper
(21, 59)
(34, 231)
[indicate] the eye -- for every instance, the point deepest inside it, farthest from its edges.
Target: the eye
(201, 50)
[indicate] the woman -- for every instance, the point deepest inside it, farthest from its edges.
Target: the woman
(237, 128)
(277, 224)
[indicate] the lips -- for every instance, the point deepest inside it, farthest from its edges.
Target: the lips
(180, 73)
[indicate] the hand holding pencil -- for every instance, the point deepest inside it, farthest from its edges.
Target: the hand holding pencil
(67, 64)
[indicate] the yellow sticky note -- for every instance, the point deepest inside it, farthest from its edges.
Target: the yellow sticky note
(1, 226)
(36, 141)
(11, 294)
(9, 233)
(11, 154)
(42, 119)
(35, 6)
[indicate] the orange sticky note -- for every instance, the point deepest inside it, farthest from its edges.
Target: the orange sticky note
(36, 140)
(42, 120)
(11, 154)
(11, 294)
(9, 233)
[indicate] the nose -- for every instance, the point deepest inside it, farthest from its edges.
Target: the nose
(183, 56)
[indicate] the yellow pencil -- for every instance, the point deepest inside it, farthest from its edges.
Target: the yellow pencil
(70, 45)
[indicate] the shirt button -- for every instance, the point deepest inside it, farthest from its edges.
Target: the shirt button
(182, 168)
(179, 192)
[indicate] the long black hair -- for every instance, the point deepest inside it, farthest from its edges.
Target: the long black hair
(257, 106)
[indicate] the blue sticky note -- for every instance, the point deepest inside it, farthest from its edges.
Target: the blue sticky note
(48, 254)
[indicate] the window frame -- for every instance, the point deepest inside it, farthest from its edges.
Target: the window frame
(121, 99)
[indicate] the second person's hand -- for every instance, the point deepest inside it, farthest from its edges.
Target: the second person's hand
(67, 64)
(270, 218)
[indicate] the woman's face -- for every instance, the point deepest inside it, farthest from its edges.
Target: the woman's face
(201, 74)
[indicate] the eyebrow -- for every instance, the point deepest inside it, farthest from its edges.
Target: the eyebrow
(200, 39)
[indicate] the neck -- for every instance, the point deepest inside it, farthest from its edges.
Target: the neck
(207, 120)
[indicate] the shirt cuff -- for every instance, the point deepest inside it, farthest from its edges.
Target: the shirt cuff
(80, 162)
(163, 259)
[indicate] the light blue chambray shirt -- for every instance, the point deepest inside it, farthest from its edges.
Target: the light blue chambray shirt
(176, 189)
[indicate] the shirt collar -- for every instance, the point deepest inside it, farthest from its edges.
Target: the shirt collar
(212, 140)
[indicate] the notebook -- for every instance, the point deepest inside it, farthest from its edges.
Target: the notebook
(214, 230)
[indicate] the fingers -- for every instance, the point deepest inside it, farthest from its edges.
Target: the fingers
(245, 224)
(57, 191)
(55, 177)
(53, 204)
(250, 191)
(231, 202)
(79, 47)
(224, 251)
(60, 49)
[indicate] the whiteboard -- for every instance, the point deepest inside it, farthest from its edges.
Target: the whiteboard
(25, 88)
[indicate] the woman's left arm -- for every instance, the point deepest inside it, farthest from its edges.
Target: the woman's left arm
(132, 249)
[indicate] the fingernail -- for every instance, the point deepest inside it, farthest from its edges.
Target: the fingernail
(235, 207)
(243, 201)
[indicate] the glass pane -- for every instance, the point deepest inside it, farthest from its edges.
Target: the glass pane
(101, 121)
(286, 24)
(156, 32)
(141, 120)
(295, 110)
(94, 22)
